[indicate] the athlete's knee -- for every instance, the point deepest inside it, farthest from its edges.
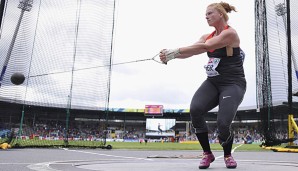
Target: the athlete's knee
(224, 130)
(223, 126)
(199, 127)
(225, 134)
(197, 118)
(224, 139)
(198, 121)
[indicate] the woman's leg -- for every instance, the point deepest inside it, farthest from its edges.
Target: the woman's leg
(204, 99)
(229, 100)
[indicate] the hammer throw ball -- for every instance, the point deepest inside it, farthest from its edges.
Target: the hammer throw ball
(17, 78)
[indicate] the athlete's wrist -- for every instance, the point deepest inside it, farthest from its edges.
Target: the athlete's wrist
(171, 54)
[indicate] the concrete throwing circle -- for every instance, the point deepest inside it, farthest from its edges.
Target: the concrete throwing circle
(139, 160)
(163, 164)
(184, 164)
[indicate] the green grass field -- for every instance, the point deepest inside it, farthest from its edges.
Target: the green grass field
(178, 146)
(127, 145)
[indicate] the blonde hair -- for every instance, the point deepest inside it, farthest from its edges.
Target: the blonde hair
(223, 8)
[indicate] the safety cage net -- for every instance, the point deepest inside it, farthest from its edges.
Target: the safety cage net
(55, 71)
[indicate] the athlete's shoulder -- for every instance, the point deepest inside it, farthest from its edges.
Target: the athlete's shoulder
(203, 38)
(230, 31)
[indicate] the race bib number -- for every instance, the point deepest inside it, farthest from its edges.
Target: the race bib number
(211, 67)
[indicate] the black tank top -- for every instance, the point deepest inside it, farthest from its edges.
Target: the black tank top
(225, 65)
(228, 66)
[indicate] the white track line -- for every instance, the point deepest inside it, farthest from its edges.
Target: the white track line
(42, 166)
(46, 165)
(233, 150)
(107, 155)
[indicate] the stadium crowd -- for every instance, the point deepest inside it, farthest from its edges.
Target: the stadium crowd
(56, 130)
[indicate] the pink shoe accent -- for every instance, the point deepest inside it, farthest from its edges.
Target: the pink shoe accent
(206, 160)
(230, 162)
